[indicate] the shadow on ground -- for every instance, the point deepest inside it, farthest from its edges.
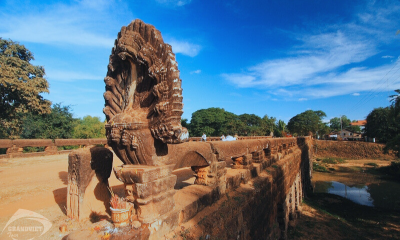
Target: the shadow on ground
(63, 175)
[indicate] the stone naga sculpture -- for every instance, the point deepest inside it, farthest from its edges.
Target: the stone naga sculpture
(143, 98)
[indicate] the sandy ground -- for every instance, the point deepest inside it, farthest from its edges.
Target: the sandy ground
(38, 184)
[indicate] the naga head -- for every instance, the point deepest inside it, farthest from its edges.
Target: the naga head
(143, 98)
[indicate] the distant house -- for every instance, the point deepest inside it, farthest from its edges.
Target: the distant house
(345, 134)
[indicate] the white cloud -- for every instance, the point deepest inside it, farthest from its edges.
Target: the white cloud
(387, 56)
(329, 63)
(178, 3)
(184, 47)
(69, 76)
(60, 24)
(356, 94)
(198, 71)
(302, 99)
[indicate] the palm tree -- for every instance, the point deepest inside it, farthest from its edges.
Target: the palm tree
(395, 99)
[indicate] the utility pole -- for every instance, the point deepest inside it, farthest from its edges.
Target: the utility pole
(341, 126)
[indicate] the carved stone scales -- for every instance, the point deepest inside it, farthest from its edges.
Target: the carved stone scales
(143, 98)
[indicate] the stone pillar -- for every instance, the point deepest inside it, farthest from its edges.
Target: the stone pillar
(88, 173)
(268, 158)
(150, 188)
(283, 216)
(51, 150)
(14, 151)
(299, 193)
(213, 175)
(243, 162)
(292, 201)
(258, 156)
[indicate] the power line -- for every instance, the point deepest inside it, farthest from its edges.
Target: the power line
(371, 94)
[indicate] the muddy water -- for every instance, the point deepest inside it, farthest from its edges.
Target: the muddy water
(359, 187)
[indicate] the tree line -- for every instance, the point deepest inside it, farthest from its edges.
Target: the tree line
(24, 113)
(217, 122)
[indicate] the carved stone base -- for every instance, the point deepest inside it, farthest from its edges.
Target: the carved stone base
(258, 156)
(88, 173)
(51, 149)
(243, 162)
(151, 188)
(14, 151)
(212, 175)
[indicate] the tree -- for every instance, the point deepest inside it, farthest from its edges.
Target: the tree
(21, 85)
(355, 128)
(395, 99)
(378, 124)
(336, 124)
(393, 141)
(213, 122)
(304, 123)
(253, 125)
(59, 123)
(89, 127)
(269, 124)
(184, 123)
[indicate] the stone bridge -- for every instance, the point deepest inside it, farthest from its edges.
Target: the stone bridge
(245, 189)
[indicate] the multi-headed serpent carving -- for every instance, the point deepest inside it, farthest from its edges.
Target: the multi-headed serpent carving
(143, 98)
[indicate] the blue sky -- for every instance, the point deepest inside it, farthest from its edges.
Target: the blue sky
(278, 58)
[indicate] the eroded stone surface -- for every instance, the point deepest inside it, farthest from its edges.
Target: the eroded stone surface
(88, 173)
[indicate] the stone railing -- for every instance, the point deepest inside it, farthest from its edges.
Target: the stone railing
(15, 147)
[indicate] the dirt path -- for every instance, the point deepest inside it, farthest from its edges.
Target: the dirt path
(38, 184)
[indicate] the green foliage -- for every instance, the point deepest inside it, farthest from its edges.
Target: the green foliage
(378, 124)
(393, 142)
(184, 123)
(371, 164)
(33, 149)
(217, 121)
(59, 123)
(252, 125)
(89, 127)
(332, 160)
(306, 122)
(334, 123)
(21, 86)
(356, 129)
(319, 168)
(213, 122)
(270, 125)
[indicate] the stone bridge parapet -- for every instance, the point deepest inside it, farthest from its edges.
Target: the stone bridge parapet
(15, 147)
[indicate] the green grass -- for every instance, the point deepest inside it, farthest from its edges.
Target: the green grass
(319, 168)
(371, 164)
(332, 160)
(33, 149)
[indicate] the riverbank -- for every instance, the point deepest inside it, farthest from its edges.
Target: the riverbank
(337, 216)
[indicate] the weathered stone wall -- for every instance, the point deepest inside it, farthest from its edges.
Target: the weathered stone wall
(350, 149)
(258, 203)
